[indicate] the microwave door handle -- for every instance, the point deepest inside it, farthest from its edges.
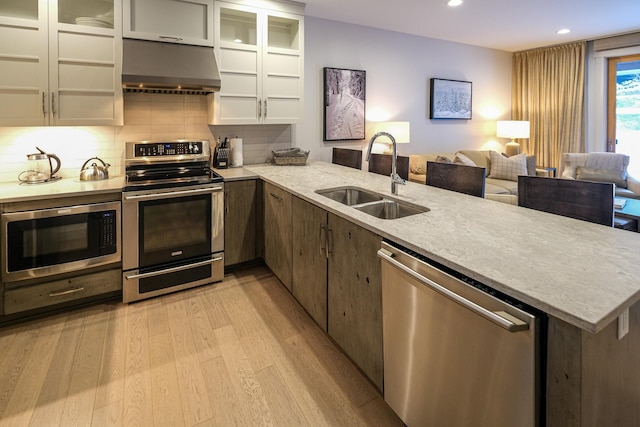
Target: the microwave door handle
(172, 270)
(173, 193)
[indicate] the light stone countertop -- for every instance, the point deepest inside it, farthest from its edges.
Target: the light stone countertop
(236, 174)
(16, 192)
(583, 273)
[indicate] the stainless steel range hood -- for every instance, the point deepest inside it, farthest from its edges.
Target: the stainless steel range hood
(149, 66)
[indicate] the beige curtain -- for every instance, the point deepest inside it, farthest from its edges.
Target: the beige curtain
(548, 89)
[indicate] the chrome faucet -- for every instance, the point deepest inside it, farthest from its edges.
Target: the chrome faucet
(395, 178)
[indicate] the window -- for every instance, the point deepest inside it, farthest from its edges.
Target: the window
(623, 115)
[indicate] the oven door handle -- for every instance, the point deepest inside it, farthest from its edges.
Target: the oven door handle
(172, 269)
(173, 193)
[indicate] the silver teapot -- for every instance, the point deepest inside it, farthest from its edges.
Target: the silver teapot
(94, 172)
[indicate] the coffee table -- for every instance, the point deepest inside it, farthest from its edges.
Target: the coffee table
(631, 209)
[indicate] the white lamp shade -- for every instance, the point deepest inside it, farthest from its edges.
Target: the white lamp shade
(512, 129)
(399, 130)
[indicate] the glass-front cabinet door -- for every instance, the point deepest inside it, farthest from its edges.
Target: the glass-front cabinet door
(60, 62)
(261, 63)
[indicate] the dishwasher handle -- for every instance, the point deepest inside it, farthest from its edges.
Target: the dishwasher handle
(500, 318)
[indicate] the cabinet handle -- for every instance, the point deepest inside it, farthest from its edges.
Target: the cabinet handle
(66, 292)
(226, 203)
(177, 39)
(275, 196)
(265, 109)
(323, 240)
(53, 104)
(259, 108)
(44, 104)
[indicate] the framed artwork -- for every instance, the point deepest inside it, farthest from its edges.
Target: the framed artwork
(450, 99)
(344, 104)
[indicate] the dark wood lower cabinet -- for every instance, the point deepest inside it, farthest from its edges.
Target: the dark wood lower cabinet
(277, 232)
(240, 222)
(337, 279)
(355, 295)
(310, 259)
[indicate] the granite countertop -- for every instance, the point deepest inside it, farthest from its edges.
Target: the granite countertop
(16, 192)
(583, 273)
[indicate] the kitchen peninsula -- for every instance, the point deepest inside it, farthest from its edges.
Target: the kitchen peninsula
(582, 275)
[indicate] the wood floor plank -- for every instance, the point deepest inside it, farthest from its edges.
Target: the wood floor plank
(158, 318)
(78, 408)
(24, 396)
(137, 408)
(112, 367)
(247, 389)
(167, 407)
(282, 403)
(193, 390)
(227, 410)
(14, 360)
(204, 337)
(55, 388)
(108, 416)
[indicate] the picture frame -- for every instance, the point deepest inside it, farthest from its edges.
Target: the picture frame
(344, 104)
(450, 99)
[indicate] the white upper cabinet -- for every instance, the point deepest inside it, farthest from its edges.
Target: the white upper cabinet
(175, 21)
(60, 62)
(261, 63)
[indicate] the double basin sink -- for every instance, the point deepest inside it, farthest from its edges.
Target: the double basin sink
(372, 203)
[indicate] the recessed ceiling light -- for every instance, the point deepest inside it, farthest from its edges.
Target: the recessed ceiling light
(563, 31)
(454, 3)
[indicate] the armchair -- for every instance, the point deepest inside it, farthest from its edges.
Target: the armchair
(601, 167)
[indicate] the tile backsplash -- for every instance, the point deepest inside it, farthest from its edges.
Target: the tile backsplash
(146, 117)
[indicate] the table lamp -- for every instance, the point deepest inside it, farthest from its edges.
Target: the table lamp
(512, 129)
(399, 130)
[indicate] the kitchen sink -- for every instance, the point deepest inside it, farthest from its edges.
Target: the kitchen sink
(390, 209)
(372, 203)
(350, 195)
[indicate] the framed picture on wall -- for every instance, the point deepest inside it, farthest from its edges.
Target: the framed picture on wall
(344, 104)
(450, 99)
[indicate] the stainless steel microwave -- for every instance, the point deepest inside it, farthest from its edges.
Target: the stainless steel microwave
(52, 241)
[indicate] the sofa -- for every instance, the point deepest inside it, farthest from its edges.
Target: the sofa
(502, 175)
(601, 167)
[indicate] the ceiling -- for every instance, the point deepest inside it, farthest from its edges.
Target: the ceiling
(510, 25)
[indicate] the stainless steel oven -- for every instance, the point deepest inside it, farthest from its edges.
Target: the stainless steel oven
(173, 219)
(46, 242)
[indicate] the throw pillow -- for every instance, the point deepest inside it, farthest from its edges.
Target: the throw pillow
(507, 167)
(601, 175)
(463, 160)
(443, 159)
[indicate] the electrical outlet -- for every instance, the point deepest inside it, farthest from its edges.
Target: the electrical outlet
(623, 324)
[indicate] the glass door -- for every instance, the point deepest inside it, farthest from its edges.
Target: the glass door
(623, 109)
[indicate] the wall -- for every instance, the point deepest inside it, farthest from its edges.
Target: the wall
(398, 68)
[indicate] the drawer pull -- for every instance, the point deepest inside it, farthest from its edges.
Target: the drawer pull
(66, 292)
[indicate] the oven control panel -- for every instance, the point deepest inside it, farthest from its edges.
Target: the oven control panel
(160, 149)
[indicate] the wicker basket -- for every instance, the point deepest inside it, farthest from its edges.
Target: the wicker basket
(290, 157)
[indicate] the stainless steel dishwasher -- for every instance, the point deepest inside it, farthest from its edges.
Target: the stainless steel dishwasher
(456, 353)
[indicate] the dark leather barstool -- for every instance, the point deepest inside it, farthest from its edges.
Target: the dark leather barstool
(456, 177)
(347, 157)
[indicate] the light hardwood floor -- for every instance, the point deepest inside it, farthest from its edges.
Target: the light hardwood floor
(241, 352)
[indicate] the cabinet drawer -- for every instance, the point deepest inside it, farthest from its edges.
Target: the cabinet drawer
(61, 291)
